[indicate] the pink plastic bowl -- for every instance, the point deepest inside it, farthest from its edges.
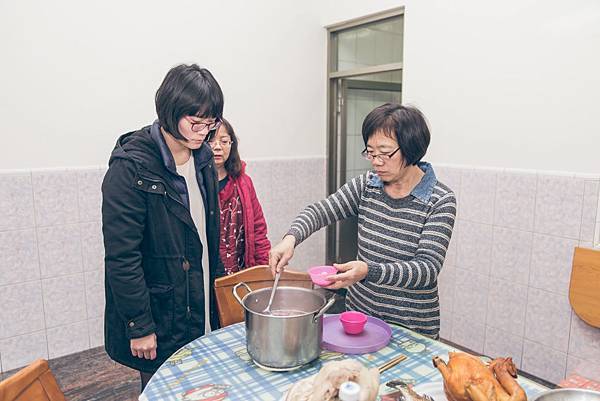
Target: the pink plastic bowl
(318, 274)
(353, 322)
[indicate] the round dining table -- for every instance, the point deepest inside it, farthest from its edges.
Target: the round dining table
(217, 367)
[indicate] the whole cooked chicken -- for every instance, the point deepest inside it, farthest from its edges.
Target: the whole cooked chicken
(467, 378)
(325, 385)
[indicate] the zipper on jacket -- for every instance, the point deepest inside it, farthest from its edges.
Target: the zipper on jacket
(186, 267)
(181, 203)
(175, 199)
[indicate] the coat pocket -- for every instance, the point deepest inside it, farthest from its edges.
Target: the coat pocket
(162, 305)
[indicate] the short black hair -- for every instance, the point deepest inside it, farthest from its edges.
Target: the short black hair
(187, 90)
(233, 165)
(405, 123)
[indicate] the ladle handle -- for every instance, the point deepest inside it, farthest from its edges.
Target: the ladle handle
(277, 276)
(235, 294)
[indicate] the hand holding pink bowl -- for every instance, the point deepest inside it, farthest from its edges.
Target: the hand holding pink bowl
(353, 322)
(319, 273)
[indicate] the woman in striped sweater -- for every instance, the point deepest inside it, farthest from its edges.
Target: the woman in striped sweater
(405, 221)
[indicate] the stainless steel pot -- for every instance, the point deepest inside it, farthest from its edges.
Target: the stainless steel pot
(291, 335)
(568, 394)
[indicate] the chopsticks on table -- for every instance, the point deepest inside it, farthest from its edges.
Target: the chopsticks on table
(391, 363)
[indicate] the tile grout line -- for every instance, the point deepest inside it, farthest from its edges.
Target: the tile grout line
(37, 242)
(512, 228)
(523, 171)
(571, 309)
(487, 307)
(581, 214)
(79, 222)
(535, 205)
(568, 343)
(49, 226)
(48, 278)
(460, 180)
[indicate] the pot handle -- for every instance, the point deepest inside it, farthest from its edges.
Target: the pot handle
(324, 309)
(235, 294)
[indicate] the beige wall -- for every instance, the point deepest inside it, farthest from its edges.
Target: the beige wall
(510, 84)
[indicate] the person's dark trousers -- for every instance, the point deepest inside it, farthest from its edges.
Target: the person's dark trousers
(145, 378)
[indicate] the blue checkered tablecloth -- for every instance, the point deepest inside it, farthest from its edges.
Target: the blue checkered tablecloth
(217, 367)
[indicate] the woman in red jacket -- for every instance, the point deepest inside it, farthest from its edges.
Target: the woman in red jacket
(244, 241)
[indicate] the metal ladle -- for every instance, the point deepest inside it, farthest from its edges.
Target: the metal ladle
(268, 308)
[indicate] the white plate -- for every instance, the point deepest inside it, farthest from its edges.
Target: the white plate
(433, 389)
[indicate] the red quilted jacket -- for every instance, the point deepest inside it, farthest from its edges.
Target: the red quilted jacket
(257, 244)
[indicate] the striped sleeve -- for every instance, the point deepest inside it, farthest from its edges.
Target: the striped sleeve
(421, 272)
(337, 206)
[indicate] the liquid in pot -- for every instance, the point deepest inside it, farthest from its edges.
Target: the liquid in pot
(287, 312)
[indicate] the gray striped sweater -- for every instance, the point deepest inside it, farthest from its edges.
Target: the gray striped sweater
(403, 241)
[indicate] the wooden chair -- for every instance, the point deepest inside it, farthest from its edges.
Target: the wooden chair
(32, 383)
(584, 289)
(230, 311)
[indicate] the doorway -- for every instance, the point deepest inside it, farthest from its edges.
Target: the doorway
(365, 71)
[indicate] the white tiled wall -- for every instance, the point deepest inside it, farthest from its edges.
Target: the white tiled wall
(52, 256)
(504, 287)
(284, 188)
(46, 217)
(503, 290)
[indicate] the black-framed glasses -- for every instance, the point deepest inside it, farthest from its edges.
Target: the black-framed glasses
(381, 157)
(210, 126)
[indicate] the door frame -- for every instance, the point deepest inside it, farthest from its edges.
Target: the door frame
(336, 109)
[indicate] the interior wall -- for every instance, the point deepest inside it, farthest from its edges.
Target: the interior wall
(509, 84)
(76, 75)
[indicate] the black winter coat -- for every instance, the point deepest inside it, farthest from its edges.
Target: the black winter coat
(153, 262)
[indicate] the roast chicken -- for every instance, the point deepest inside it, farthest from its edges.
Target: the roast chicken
(467, 378)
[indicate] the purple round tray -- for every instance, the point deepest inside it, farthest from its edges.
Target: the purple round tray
(375, 336)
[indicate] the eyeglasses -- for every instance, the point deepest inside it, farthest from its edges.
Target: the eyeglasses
(223, 142)
(382, 157)
(210, 126)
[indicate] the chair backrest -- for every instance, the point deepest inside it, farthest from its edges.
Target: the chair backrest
(230, 311)
(32, 383)
(584, 288)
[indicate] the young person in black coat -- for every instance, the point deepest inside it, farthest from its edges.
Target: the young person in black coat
(160, 220)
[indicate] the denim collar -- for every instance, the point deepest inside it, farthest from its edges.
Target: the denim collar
(202, 156)
(422, 191)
